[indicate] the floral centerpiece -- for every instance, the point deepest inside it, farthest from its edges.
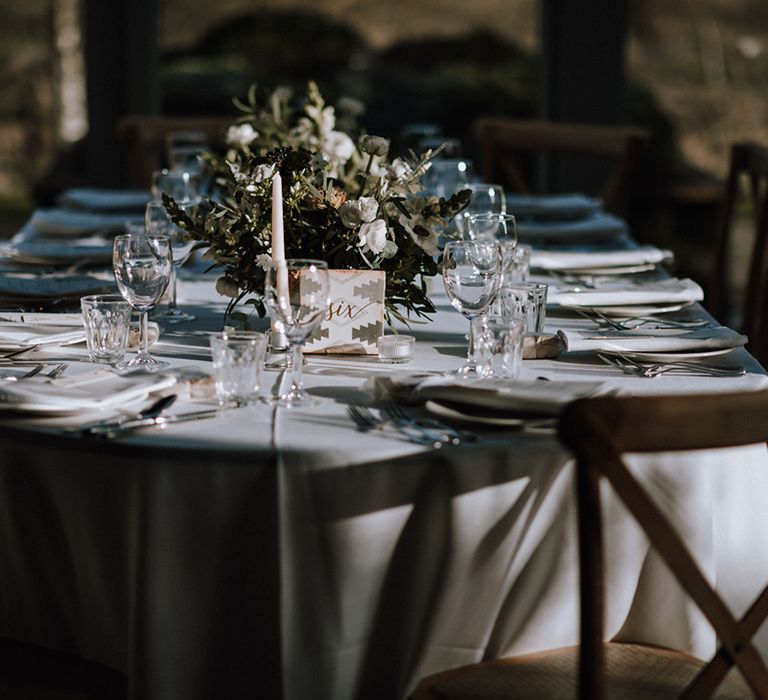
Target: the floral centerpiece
(344, 202)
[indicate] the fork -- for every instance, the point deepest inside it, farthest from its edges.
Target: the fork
(366, 421)
(447, 433)
(630, 366)
(58, 370)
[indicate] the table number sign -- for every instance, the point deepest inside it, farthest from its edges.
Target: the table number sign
(355, 316)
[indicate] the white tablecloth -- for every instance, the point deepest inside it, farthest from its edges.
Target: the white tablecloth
(270, 552)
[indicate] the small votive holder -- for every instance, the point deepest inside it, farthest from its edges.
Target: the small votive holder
(526, 301)
(107, 322)
(396, 349)
(238, 359)
(499, 347)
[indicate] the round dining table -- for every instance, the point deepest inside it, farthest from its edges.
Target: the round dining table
(267, 552)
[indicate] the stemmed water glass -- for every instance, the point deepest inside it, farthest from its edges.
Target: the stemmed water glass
(296, 292)
(486, 199)
(142, 266)
(158, 222)
(471, 274)
(499, 227)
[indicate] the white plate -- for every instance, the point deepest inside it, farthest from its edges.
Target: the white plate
(453, 413)
(636, 310)
(668, 356)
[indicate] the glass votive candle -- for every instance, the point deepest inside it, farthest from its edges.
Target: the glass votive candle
(396, 349)
(526, 301)
(499, 347)
(238, 359)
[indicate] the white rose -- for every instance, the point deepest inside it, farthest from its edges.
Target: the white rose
(368, 208)
(373, 236)
(241, 135)
(338, 147)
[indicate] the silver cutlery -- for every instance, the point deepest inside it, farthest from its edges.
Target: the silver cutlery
(58, 370)
(158, 421)
(446, 432)
(151, 411)
(649, 369)
(18, 353)
(366, 420)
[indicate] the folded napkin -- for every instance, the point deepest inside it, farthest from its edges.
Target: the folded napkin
(105, 200)
(551, 206)
(653, 340)
(106, 390)
(534, 398)
(21, 335)
(73, 222)
(623, 293)
(575, 259)
(596, 226)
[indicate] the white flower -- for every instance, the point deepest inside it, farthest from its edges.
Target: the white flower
(264, 261)
(263, 172)
(241, 135)
(338, 147)
(398, 169)
(368, 208)
(427, 243)
(373, 236)
(324, 118)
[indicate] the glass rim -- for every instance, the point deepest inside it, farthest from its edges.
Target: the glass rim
(137, 236)
(492, 217)
(104, 299)
(238, 336)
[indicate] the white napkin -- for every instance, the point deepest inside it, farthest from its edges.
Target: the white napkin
(630, 292)
(653, 340)
(20, 335)
(72, 222)
(64, 397)
(98, 199)
(574, 260)
(534, 398)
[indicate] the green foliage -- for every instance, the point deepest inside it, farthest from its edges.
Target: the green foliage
(343, 201)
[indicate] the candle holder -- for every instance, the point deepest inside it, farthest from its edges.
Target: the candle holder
(278, 356)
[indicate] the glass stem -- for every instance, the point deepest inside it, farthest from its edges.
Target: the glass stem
(471, 341)
(172, 284)
(297, 361)
(143, 334)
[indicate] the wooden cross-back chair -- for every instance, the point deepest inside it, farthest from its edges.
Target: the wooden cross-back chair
(503, 143)
(600, 431)
(748, 163)
(145, 139)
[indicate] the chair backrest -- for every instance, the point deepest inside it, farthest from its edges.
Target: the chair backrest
(600, 431)
(145, 139)
(749, 161)
(503, 143)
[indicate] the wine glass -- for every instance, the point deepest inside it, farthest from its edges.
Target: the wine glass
(486, 199)
(296, 292)
(182, 185)
(142, 266)
(471, 274)
(158, 222)
(499, 227)
(446, 176)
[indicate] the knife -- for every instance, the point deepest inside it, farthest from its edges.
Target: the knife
(110, 431)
